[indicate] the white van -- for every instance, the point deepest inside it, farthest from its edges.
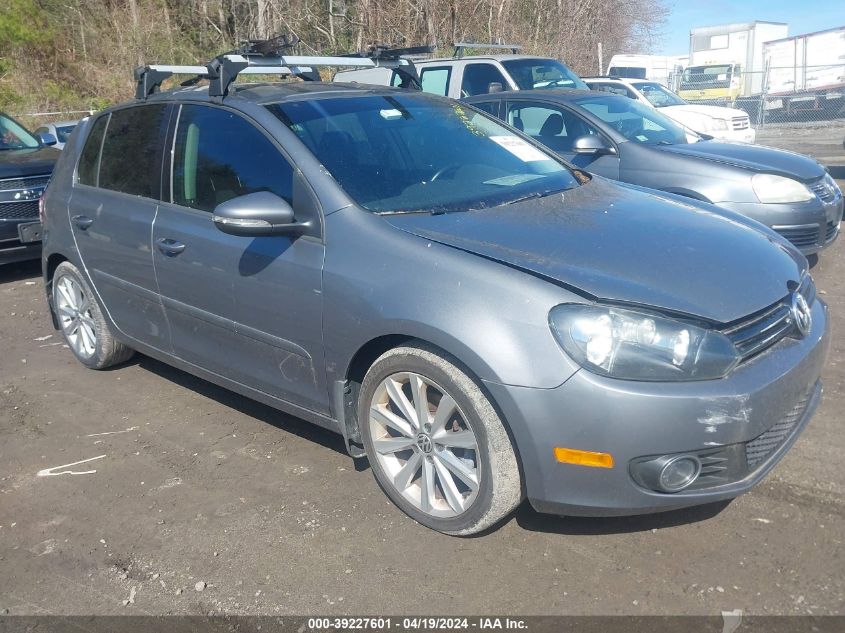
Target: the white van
(660, 68)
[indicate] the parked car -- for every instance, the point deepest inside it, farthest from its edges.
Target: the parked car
(464, 76)
(60, 129)
(26, 162)
(484, 323)
(622, 139)
(729, 124)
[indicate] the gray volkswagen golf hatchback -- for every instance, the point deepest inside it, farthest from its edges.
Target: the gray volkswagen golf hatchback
(479, 319)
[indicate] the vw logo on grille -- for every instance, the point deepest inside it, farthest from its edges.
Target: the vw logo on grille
(801, 314)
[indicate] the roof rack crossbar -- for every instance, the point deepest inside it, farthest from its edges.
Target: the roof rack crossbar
(224, 69)
(461, 47)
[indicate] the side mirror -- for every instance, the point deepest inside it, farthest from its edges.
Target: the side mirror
(495, 86)
(591, 144)
(47, 139)
(257, 214)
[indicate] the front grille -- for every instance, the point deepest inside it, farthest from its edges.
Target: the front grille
(801, 236)
(822, 191)
(762, 446)
(27, 182)
(19, 210)
(830, 231)
(741, 123)
(761, 330)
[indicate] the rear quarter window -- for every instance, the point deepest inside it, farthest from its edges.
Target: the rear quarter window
(89, 161)
(131, 155)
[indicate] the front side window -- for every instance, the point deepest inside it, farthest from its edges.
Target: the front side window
(218, 155)
(658, 96)
(556, 128)
(408, 152)
(436, 80)
(531, 74)
(637, 122)
(131, 156)
(89, 161)
(479, 77)
(15, 136)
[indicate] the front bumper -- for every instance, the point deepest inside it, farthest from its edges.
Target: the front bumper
(630, 420)
(810, 226)
(748, 135)
(11, 248)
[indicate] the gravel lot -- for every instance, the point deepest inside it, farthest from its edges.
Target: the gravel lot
(204, 501)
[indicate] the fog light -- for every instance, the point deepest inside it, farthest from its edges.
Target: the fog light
(669, 473)
(679, 473)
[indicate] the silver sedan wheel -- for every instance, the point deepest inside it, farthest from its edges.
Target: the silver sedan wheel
(74, 308)
(425, 445)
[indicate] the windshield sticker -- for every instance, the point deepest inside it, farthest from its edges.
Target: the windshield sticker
(513, 180)
(642, 138)
(390, 114)
(526, 152)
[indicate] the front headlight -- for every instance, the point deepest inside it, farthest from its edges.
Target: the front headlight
(718, 125)
(640, 346)
(771, 188)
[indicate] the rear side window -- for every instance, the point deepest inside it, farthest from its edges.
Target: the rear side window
(435, 80)
(131, 156)
(218, 156)
(89, 161)
(478, 77)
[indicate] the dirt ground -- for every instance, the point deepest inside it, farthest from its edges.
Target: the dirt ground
(201, 502)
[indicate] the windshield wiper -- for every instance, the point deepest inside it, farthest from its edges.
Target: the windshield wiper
(531, 196)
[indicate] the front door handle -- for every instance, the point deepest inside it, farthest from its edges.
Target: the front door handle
(82, 221)
(169, 247)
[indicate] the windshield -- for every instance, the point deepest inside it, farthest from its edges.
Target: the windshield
(408, 152)
(659, 96)
(629, 72)
(542, 73)
(707, 76)
(14, 136)
(635, 121)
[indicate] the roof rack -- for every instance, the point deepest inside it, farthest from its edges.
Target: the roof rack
(461, 47)
(262, 57)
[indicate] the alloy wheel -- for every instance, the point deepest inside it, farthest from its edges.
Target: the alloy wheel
(74, 310)
(425, 444)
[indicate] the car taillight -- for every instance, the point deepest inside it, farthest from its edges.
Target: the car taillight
(41, 207)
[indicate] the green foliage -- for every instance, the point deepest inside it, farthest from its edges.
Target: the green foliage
(23, 24)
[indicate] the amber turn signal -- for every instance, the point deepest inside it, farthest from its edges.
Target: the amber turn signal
(584, 458)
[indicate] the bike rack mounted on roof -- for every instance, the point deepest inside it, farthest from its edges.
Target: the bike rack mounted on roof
(461, 47)
(261, 57)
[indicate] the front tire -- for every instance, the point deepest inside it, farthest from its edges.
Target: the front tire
(436, 445)
(85, 329)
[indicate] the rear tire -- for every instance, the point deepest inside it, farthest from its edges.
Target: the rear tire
(436, 445)
(83, 325)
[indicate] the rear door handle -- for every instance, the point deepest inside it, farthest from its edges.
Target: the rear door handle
(170, 247)
(82, 221)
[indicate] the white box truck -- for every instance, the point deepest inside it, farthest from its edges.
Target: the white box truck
(807, 71)
(726, 61)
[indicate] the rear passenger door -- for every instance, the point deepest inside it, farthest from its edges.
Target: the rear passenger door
(245, 308)
(114, 201)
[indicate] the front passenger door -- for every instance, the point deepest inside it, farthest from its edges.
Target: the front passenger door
(245, 308)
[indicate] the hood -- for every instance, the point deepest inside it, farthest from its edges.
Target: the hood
(752, 157)
(618, 243)
(715, 112)
(39, 161)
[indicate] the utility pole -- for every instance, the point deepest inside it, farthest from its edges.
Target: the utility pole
(601, 61)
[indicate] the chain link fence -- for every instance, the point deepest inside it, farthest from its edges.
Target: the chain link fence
(778, 95)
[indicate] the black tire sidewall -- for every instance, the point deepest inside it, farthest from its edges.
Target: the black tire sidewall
(408, 362)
